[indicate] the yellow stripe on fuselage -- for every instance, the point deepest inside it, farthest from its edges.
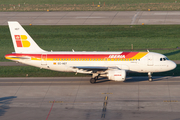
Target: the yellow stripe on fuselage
(39, 59)
(140, 55)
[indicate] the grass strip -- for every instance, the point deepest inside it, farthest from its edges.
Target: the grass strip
(63, 2)
(158, 38)
(23, 71)
(87, 5)
(30, 71)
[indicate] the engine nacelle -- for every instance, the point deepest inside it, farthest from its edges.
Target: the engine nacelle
(117, 75)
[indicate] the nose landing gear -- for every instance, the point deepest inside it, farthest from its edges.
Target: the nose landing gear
(150, 76)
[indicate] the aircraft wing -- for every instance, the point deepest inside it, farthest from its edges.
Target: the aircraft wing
(94, 68)
(89, 68)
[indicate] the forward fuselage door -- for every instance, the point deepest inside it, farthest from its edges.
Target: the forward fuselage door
(44, 59)
(150, 60)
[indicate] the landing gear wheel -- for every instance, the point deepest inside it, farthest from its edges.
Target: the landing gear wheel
(150, 76)
(92, 80)
(150, 79)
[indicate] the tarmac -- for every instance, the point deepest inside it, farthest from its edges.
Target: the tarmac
(70, 98)
(92, 18)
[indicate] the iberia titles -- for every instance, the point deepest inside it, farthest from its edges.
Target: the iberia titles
(116, 56)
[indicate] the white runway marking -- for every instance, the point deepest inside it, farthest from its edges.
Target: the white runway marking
(134, 18)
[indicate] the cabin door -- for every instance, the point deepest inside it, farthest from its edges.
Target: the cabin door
(150, 60)
(44, 59)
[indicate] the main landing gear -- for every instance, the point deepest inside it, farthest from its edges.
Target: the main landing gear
(150, 76)
(93, 79)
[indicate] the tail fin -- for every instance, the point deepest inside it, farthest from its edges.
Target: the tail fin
(23, 43)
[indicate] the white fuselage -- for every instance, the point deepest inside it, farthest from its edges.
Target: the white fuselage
(151, 62)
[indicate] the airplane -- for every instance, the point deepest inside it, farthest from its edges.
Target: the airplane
(113, 65)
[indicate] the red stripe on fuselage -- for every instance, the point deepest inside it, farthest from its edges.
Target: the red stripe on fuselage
(131, 54)
(128, 55)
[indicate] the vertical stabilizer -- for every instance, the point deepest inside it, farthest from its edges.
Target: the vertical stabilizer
(23, 43)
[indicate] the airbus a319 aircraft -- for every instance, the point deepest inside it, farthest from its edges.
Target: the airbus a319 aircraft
(112, 65)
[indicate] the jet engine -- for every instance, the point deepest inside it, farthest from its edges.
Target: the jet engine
(117, 75)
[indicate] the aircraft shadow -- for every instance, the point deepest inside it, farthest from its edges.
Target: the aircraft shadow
(102, 80)
(4, 104)
(141, 79)
(133, 79)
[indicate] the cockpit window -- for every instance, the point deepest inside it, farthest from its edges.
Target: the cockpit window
(164, 59)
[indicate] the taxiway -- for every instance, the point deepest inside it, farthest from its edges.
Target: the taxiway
(75, 98)
(92, 17)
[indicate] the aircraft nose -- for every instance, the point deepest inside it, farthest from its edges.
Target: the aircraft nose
(172, 65)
